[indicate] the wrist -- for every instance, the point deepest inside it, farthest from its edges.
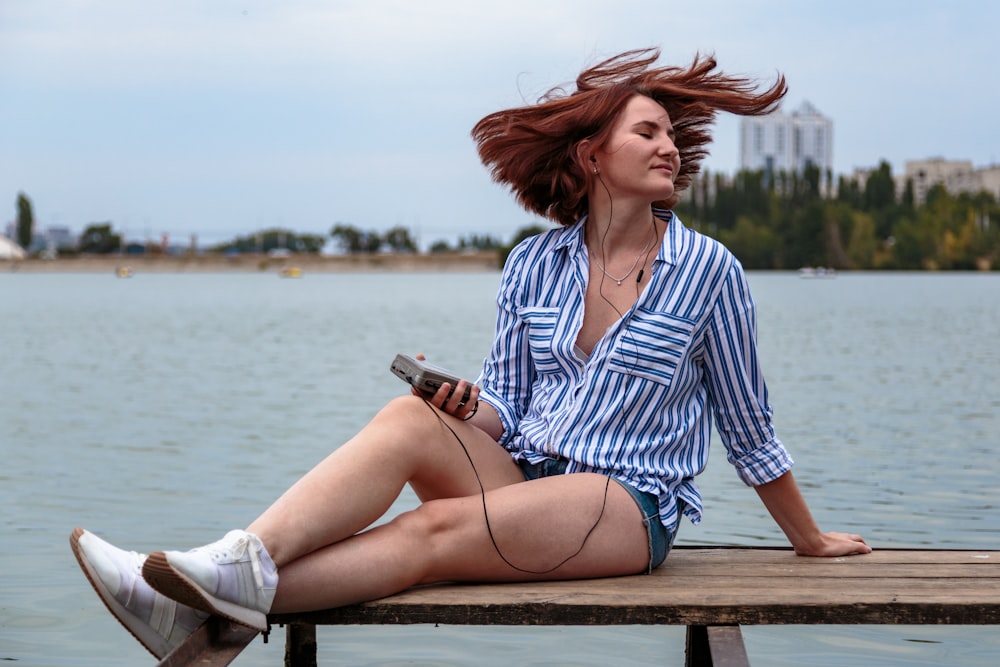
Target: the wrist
(811, 545)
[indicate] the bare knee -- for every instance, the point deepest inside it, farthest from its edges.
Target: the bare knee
(433, 528)
(404, 407)
(409, 415)
(430, 521)
(404, 422)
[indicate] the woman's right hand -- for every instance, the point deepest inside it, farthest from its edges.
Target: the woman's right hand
(449, 399)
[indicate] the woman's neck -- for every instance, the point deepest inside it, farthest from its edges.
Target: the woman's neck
(616, 230)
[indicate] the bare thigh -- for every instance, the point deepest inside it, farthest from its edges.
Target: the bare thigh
(568, 526)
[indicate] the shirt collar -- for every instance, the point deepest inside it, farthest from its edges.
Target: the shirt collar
(672, 237)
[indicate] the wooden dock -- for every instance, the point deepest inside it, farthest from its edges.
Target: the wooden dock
(713, 591)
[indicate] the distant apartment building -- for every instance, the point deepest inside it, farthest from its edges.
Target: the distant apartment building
(59, 238)
(787, 142)
(956, 176)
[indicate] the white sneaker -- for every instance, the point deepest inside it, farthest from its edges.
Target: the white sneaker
(234, 577)
(159, 623)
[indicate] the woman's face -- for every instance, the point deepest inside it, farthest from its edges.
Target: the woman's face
(639, 158)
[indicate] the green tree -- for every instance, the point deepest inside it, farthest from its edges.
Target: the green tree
(913, 244)
(25, 221)
(267, 240)
(310, 242)
(837, 226)
(398, 239)
(862, 244)
(478, 242)
(849, 192)
(99, 238)
(753, 243)
(353, 240)
(880, 199)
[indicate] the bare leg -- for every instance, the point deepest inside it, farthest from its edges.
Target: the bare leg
(356, 484)
(537, 525)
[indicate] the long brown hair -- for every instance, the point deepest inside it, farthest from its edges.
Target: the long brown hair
(533, 149)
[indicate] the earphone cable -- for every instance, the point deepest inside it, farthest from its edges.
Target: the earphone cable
(608, 477)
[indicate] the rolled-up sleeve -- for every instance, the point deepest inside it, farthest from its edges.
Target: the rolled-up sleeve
(764, 464)
(737, 387)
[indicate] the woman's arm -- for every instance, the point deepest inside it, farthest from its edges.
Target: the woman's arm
(785, 503)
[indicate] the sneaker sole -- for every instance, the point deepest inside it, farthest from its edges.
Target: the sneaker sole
(161, 575)
(157, 646)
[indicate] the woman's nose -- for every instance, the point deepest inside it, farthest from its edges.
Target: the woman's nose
(667, 147)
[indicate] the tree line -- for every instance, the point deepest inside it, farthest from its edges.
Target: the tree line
(350, 239)
(770, 221)
(788, 221)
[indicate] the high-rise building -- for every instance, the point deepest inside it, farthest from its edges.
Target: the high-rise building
(787, 142)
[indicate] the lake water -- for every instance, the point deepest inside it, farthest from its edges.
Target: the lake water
(163, 410)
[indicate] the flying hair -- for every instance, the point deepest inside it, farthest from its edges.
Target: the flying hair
(534, 150)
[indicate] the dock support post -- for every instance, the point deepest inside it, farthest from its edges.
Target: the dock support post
(300, 645)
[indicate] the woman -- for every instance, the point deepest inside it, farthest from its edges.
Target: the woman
(619, 335)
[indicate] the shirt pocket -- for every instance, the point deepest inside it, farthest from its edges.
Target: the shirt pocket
(541, 326)
(652, 346)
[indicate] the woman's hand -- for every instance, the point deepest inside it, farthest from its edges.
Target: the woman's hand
(835, 544)
(785, 503)
(449, 399)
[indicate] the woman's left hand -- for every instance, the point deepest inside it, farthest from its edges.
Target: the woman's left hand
(785, 503)
(835, 544)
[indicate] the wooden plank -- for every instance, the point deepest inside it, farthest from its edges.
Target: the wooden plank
(215, 643)
(852, 613)
(871, 571)
(719, 586)
(681, 557)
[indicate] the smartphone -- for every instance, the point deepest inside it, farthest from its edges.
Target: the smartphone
(426, 377)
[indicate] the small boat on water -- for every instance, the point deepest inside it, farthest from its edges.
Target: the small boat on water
(818, 272)
(124, 271)
(290, 272)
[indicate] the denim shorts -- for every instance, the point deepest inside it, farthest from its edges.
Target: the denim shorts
(660, 539)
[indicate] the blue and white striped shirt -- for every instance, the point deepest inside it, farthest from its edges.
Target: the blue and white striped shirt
(638, 408)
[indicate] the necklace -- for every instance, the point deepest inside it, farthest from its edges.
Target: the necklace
(634, 264)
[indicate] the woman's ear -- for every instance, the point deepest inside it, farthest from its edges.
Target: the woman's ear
(585, 153)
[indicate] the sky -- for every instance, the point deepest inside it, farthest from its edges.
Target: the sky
(218, 118)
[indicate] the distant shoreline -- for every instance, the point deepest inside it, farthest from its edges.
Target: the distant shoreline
(257, 263)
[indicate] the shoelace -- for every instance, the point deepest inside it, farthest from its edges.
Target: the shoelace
(245, 544)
